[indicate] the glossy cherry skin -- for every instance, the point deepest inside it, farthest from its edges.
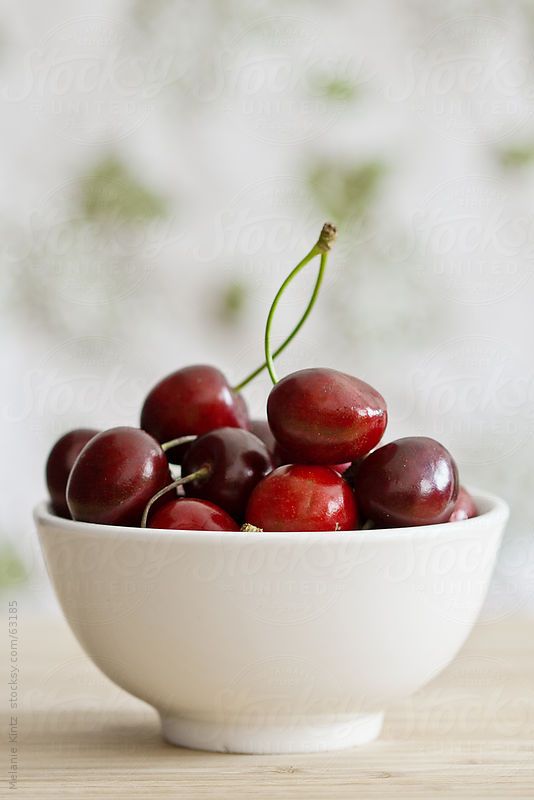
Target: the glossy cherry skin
(411, 481)
(236, 459)
(260, 427)
(322, 416)
(299, 497)
(115, 476)
(59, 464)
(192, 401)
(190, 514)
(464, 508)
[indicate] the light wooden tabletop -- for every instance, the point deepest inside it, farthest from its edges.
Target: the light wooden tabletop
(469, 734)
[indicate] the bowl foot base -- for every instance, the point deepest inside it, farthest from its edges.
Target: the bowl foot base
(255, 737)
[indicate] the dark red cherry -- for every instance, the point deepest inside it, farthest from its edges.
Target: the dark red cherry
(464, 508)
(322, 416)
(232, 461)
(59, 464)
(303, 498)
(115, 476)
(242, 415)
(412, 481)
(261, 429)
(190, 514)
(191, 401)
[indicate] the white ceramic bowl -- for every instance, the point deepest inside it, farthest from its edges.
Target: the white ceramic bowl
(272, 642)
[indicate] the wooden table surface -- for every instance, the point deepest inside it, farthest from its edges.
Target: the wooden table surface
(468, 734)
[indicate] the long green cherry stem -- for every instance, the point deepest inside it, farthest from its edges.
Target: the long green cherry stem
(321, 247)
(297, 327)
(177, 442)
(203, 472)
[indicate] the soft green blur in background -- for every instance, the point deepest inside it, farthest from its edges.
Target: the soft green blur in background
(164, 165)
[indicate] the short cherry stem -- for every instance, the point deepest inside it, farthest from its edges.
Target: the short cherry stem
(322, 247)
(177, 442)
(324, 244)
(203, 472)
(248, 528)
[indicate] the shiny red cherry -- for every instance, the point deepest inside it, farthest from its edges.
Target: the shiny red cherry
(230, 462)
(303, 498)
(464, 508)
(260, 427)
(322, 416)
(190, 514)
(114, 477)
(192, 401)
(412, 481)
(59, 464)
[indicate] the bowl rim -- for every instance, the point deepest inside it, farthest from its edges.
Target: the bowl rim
(497, 512)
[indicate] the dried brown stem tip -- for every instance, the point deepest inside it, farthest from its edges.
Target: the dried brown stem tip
(248, 528)
(327, 237)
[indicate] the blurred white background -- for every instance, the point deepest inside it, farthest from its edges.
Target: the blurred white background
(164, 165)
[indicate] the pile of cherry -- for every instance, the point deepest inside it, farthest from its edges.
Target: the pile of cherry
(311, 466)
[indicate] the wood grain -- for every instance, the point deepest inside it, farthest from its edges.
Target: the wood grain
(469, 734)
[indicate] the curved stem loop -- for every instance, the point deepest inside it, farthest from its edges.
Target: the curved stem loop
(324, 244)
